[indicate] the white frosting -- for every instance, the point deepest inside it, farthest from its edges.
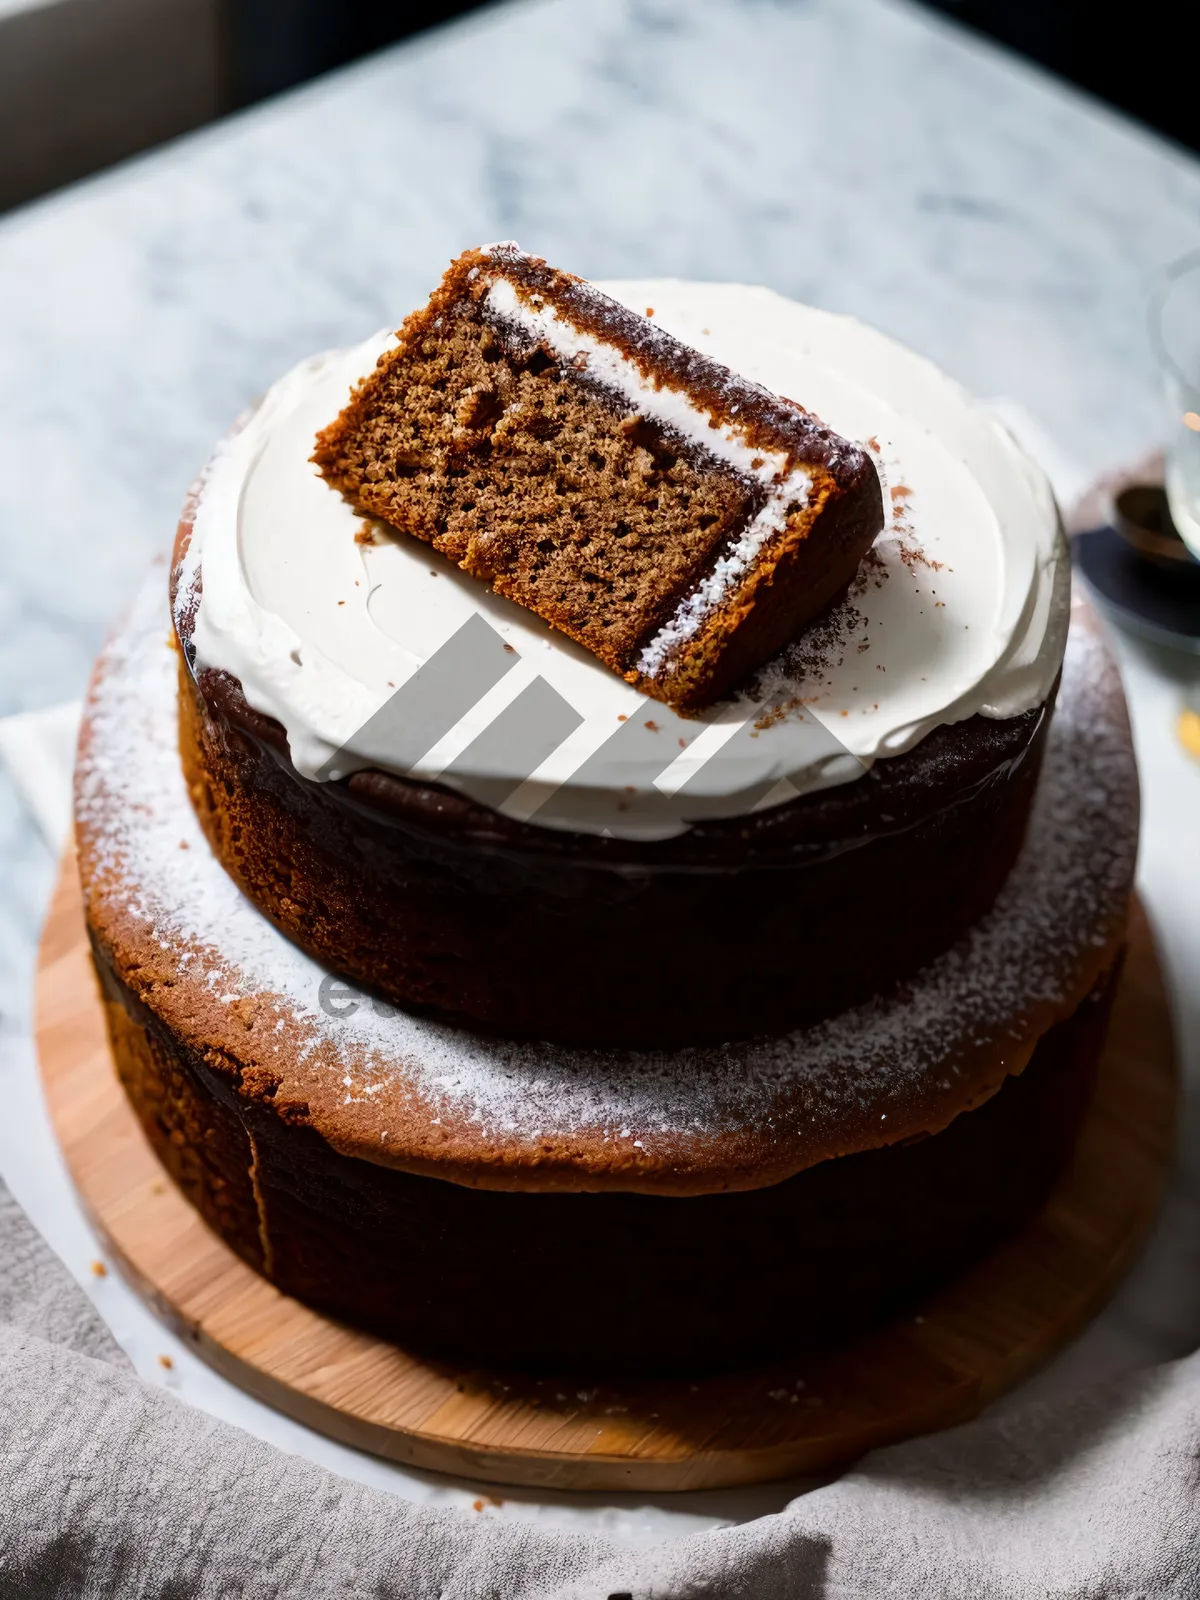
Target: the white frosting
(966, 611)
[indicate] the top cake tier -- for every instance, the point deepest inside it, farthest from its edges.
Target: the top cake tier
(372, 651)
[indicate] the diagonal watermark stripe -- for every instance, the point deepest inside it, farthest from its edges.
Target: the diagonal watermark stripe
(617, 785)
(513, 747)
(426, 706)
(620, 775)
(639, 750)
(749, 765)
(618, 780)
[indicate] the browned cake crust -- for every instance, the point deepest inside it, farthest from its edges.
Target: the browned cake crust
(603, 1283)
(542, 480)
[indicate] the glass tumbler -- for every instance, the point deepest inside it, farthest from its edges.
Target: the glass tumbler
(1175, 335)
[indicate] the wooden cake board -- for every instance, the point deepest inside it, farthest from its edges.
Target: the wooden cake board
(935, 1366)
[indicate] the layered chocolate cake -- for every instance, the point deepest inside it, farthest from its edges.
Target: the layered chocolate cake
(473, 992)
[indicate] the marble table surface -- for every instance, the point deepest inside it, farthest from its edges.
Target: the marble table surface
(860, 154)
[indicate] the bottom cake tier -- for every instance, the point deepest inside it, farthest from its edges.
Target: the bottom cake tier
(609, 1283)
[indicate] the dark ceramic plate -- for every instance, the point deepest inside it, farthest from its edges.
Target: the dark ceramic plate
(1156, 601)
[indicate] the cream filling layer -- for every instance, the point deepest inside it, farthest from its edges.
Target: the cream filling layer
(674, 409)
(964, 610)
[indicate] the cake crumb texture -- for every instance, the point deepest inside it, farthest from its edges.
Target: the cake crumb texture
(525, 466)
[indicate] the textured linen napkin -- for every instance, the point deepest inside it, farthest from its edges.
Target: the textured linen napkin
(37, 748)
(110, 1487)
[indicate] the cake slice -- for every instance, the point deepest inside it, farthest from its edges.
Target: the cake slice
(675, 519)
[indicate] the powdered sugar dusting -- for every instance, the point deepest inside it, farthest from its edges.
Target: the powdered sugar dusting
(726, 574)
(1065, 898)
